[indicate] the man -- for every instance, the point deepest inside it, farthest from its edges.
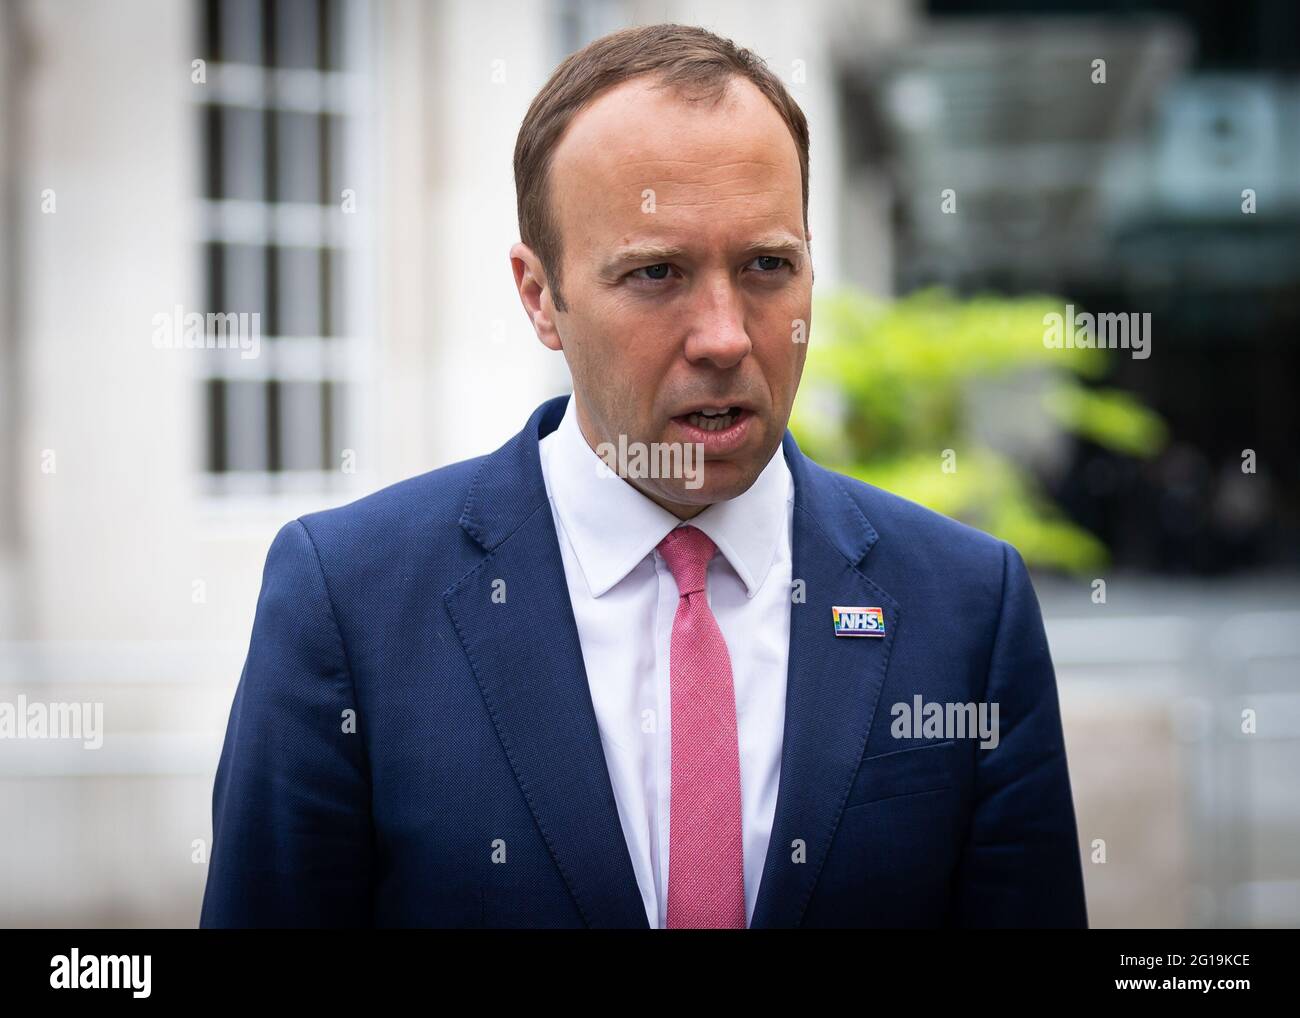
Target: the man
(556, 686)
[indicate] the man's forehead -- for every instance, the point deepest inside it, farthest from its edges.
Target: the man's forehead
(639, 150)
(643, 108)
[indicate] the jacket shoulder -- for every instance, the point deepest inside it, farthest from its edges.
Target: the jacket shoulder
(396, 526)
(919, 540)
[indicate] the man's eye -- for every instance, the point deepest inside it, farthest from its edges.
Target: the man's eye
(658, 273)
(655, 273)
(770, 263)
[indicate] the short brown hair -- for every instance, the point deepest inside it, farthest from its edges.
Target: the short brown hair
(691, 60)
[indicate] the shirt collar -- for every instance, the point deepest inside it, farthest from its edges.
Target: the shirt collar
(611, 526)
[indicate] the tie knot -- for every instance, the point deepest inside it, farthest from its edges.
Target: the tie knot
(687, 551)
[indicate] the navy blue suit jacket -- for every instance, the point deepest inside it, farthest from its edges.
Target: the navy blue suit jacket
(474, 731)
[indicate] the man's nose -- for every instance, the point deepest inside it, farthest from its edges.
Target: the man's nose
(718, 333)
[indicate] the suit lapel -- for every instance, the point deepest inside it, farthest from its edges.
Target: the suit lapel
(527, 659)
(832, 689)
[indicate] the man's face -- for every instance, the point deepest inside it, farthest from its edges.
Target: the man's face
(686, 276)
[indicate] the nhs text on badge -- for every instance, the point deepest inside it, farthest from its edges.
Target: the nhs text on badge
(858, 621)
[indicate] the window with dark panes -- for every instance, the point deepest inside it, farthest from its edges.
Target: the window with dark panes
(283, 114)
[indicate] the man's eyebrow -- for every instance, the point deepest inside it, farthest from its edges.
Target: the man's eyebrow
(652, 254)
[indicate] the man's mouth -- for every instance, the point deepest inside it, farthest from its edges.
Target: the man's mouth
(712, 419)
(719, 430)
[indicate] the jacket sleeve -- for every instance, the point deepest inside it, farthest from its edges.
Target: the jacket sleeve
(1021, 865)
(291, 831)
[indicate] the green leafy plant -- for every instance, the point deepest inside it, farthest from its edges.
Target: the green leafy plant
(889, 396)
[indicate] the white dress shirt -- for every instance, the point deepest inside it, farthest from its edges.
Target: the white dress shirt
(624, 599)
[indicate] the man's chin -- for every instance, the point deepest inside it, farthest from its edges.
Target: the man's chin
(712, 481)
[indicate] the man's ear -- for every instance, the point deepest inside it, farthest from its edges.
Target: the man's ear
(535, 294)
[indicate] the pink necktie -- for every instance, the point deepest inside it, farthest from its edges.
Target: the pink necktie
(706, 875)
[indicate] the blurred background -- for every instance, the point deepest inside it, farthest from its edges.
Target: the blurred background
(343, 169)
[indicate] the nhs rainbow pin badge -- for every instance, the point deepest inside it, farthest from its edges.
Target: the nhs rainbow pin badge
(858, 621)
